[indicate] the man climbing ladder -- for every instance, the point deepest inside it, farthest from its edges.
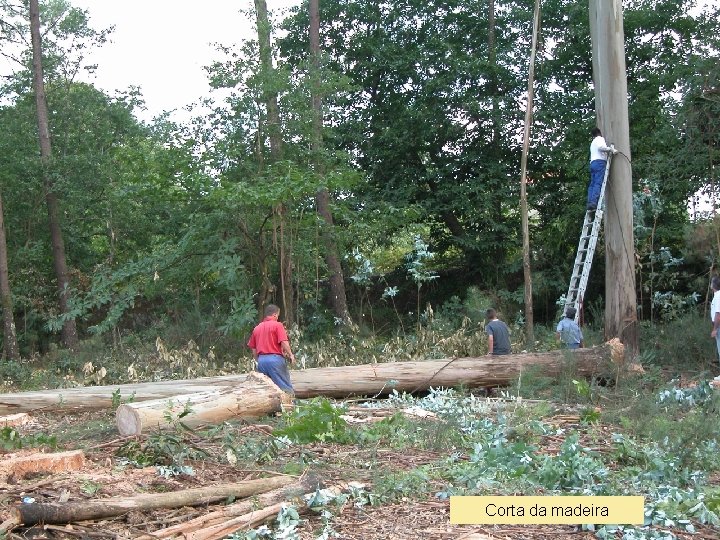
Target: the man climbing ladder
(600, 160)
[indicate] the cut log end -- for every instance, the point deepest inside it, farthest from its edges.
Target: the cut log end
(128, 421)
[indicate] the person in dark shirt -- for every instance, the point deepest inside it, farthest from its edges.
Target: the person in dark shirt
(498, 334)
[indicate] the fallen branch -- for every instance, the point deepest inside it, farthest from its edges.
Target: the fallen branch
(241, 508)
(249, 520)
(56, 513)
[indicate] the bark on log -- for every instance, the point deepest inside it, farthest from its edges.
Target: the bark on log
(18, 467)
(32, 514)
(256, 396)
(305, 484)
(366, 379)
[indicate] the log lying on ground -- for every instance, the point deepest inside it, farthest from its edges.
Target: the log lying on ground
(226, 513)
(360, 380)
(256, 396)
(32, 514)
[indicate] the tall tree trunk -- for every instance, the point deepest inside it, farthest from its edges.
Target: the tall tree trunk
(529, 326)
(611, 108)
(9, 338)
(495, 142)
(322, 198)
(274, 128)
(69, 331)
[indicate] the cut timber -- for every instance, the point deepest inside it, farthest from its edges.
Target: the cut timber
(14, 420)
(360, 380)
(485, 371)
(18, 467)
(256, 396)
(32, 514)
(305, 484)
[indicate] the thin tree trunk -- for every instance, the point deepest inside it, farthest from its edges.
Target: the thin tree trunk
(495, 123)
(611, 109)
(322, 198)
(274, 128)
(10, 345)
(69, 331)
(529, 326)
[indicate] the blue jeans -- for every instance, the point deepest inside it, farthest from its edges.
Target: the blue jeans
(275, 367)
(572, 345)
(717, 342)
(597, 173)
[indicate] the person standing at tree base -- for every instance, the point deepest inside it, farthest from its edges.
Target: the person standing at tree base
(568, 331)
(271, 348)
(498, 334)
(598, 162)
(715, 312)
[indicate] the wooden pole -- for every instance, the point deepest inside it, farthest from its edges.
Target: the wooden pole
(611, 109)
(529, 325)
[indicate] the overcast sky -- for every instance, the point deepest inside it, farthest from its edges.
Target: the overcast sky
(162, 45)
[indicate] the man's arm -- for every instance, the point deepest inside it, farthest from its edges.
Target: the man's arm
(255, 354)
(716, 324)
(490, 343)
(287, 351)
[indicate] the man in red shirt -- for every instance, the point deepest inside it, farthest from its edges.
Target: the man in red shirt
(270, 347)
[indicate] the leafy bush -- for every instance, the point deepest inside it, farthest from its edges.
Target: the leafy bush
(317, 420)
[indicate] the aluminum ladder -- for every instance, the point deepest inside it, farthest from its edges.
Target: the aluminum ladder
(586, 248)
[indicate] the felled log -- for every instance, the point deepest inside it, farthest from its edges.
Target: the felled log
(288, 492)
(341, 382)
(55, 513)
(256, 396)
(18, 467)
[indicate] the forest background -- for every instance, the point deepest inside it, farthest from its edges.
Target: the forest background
(175, 234)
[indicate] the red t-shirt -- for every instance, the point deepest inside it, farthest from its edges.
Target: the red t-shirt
(267, 336)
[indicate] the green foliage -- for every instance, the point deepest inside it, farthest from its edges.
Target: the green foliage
(10, 440)
(316, 420)
(167, 447)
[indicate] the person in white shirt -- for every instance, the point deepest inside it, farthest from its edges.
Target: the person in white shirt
(598, 161)
(715, 311)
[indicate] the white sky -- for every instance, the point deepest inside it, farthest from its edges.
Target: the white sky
(162, 45)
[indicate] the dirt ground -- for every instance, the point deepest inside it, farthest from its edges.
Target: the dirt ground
(103, 476)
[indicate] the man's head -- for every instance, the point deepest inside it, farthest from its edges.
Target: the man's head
(715, 283)
(570, 312)
(272, 310)
(596, 132)
(491, 314)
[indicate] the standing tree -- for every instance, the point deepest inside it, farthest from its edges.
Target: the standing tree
(69, 331)
(322, 198)
(9, 338)
(611, 108)
(529, 329)
(274, 128)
